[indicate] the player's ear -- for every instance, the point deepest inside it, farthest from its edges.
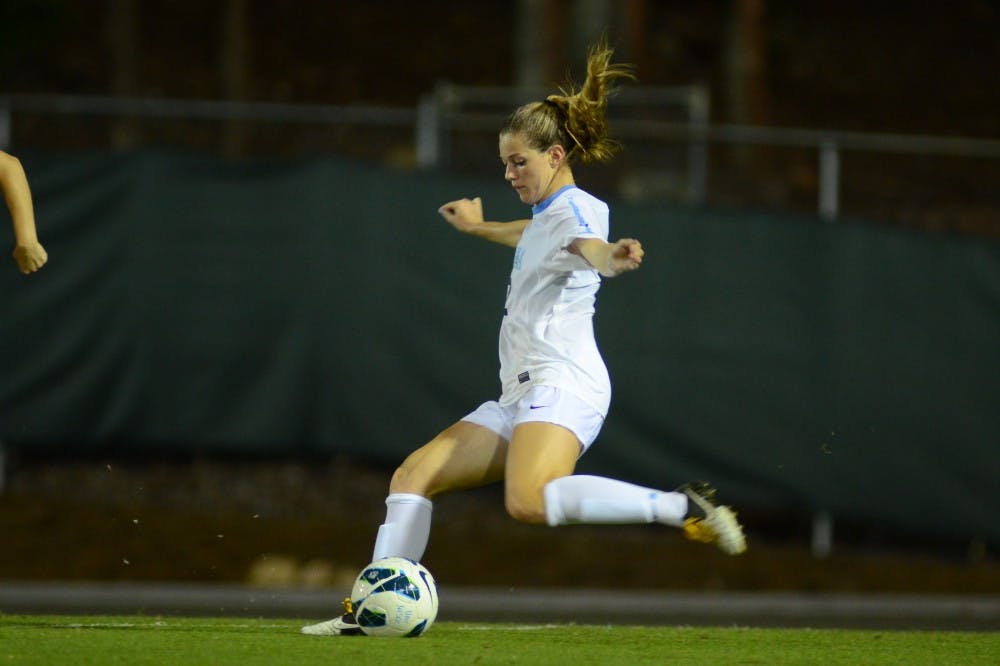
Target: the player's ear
(556, 154)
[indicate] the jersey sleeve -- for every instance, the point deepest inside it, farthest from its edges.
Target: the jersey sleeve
(578, 219)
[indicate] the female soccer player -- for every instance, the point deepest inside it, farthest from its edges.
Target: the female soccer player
(28, 252)
(555, 387)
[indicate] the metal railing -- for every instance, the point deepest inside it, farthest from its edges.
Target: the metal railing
(198, 109)
(444, 111)
(450, 109)
(828, 144)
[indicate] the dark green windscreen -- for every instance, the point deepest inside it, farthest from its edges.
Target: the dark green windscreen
(305, 308)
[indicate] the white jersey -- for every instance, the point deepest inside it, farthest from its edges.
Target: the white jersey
(547, 334)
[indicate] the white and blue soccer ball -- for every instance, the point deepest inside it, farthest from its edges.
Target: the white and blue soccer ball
(394, 596)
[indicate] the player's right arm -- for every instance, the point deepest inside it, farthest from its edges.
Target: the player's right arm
(28, 252)
(466, 215)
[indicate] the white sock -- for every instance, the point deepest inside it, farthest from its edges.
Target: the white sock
(597, 500)
(406, 529)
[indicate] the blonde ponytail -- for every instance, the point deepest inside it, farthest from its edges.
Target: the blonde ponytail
(575, 119)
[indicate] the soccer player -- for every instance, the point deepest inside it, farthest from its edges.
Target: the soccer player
(555, 387)
(28, 252)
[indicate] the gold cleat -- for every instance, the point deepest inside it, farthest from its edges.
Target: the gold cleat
(718, 526)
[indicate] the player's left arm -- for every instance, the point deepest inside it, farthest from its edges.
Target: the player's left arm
(610, 259)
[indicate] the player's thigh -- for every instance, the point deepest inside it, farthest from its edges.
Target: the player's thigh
(465, 455)
(538, 453)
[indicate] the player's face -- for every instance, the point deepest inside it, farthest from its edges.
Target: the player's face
(530, 171)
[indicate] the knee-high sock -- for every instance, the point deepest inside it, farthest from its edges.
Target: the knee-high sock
(406, 529)
(594, 499)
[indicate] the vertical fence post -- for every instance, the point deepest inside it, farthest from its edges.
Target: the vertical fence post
(822, 534)
(428, 145)
(698, 117)
(5, 113)
(829, 180)
(432, 126)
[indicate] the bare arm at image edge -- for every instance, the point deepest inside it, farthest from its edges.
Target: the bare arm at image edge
(28, 252)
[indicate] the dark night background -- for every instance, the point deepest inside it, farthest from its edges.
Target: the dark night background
(891, 66)
(888, 67)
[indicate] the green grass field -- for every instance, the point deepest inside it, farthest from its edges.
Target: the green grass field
(35, 639)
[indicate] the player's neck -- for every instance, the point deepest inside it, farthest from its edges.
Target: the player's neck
(563, 177)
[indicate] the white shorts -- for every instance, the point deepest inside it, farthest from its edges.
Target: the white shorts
(541, 403)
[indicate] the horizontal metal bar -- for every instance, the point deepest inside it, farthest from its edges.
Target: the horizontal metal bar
(627, 95)
(209, 109)
(844, 140)
(774, 136)
(478, 121)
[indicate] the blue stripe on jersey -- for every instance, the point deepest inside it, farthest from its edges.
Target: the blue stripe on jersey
(580, 222)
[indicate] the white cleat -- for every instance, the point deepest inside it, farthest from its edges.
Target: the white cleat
(345, 625)
(328, 628)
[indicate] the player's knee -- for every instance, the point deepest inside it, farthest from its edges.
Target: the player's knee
(525, 506)
(406, 479)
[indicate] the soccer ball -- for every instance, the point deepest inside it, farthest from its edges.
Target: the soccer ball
(394, 596)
